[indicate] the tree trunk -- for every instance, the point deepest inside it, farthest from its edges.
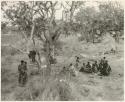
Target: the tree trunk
(53, 51)
(48, 54)
(92, 36)
(38, 54)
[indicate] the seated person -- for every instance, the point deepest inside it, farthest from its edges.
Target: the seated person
(106, 69)
(82, 68)
(88, 68)
(95, 67)
(100, 65)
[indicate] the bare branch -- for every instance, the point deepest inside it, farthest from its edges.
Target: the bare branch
(68, 3)
(64, 6)
(18, 49)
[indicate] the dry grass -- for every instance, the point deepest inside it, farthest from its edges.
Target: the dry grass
(82, 87)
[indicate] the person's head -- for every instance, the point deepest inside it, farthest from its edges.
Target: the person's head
(88, 62)
(22, 61)
(83, 63)
(103, 57)
(70, 64)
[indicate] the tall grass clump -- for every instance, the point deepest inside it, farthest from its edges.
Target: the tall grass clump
(42, 89)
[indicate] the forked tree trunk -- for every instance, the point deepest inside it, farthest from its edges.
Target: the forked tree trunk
(34, 44)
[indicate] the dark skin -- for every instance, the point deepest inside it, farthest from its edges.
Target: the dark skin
(106, 68)
(21, 66)
(82, 68)
(25, 66)
(20, 69)
(22, 73)
(88, 68)
(88, 64)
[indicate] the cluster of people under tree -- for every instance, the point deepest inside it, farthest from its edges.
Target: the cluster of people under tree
(102, 68)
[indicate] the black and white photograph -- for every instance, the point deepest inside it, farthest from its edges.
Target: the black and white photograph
(62, 50)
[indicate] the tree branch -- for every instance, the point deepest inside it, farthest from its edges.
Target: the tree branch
(64, 6)
(18, 49)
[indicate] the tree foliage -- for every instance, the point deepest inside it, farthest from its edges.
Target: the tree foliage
(108, 18)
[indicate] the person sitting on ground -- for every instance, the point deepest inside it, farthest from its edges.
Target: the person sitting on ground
(82, 68)
(100, 66)
(106, 69)
(95, 67)
(88, 68)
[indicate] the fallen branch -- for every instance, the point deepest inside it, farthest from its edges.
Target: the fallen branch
(18, 49)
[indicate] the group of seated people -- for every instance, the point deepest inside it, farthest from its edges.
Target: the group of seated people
(101, 68)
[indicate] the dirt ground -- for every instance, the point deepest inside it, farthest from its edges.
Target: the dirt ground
(84, 86)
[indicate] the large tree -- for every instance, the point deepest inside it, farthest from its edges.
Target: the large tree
(36, 19)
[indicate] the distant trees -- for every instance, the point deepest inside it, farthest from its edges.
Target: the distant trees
(113, 17)
(109, 18)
